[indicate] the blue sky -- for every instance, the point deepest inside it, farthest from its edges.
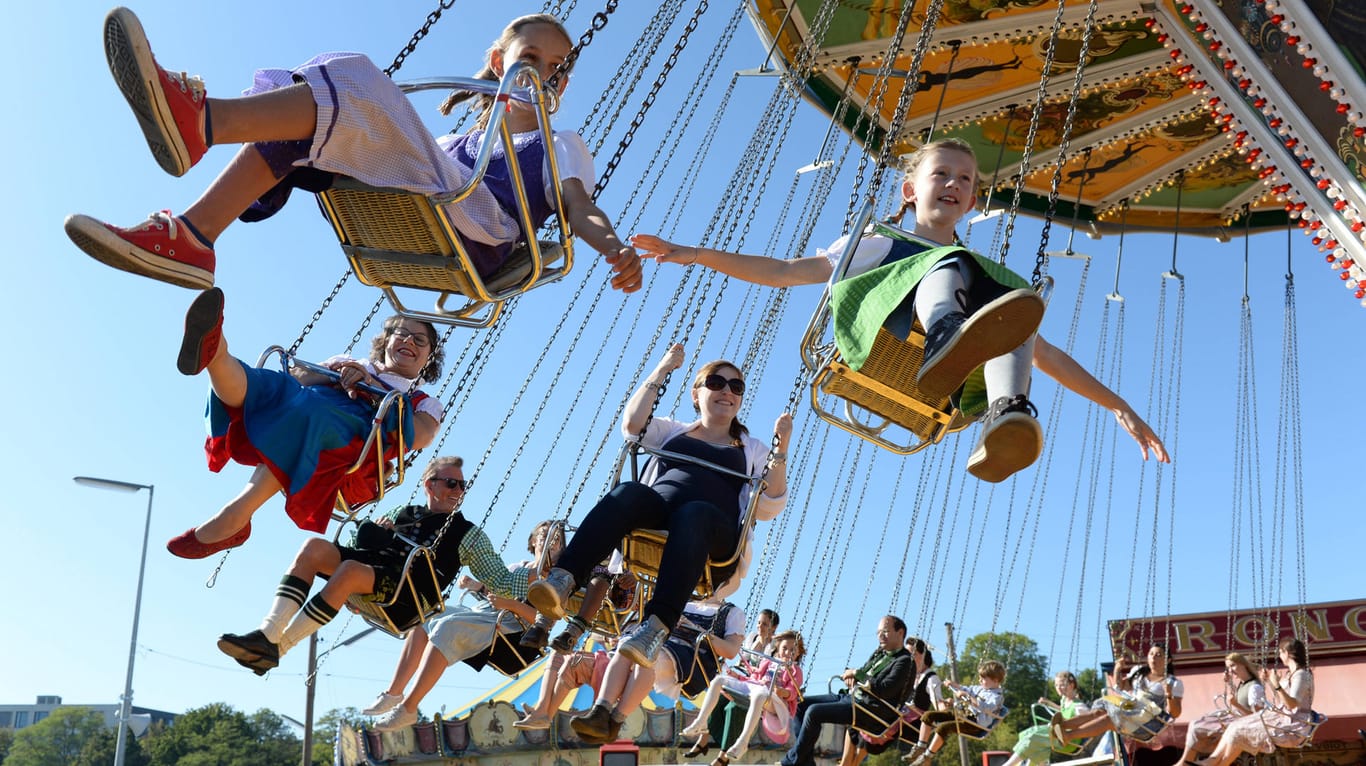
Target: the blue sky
(112, 404)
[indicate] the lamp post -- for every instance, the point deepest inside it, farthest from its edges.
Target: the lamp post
(126, 709)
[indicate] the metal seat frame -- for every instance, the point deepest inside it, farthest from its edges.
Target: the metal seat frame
(643, 549)
(386, 476)
(882, 393)
(398, 239)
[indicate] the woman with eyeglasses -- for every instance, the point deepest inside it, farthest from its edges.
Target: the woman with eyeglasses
(702, 509)
(373, 565)
(302, 430)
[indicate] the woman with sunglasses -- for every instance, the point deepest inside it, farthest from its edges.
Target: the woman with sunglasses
(302, 430)
(702, 509)
(375, 567)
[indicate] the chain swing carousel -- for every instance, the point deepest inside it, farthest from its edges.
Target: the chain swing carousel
(1277, 172)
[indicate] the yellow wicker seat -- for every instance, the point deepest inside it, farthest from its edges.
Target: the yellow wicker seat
(397, 239)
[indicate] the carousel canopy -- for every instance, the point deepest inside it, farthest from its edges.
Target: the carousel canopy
(1220, 107)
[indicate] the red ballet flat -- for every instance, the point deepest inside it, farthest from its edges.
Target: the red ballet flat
(187, 546)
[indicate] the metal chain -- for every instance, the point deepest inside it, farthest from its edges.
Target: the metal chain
(432, 18)
(630, 75)
(650, 97)
(317, 314)
(1035, 114)
(597, 25)
(1041, 258)
(903, 102)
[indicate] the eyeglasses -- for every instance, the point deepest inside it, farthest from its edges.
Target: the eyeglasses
(421, 341)
(715, 382)
(462, 484)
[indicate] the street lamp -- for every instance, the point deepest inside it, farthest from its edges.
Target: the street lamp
(126, 710)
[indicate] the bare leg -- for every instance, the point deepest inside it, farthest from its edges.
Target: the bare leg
(235, 515)
(614, 681)
(413, 647)
(428, 673)
(637, 689)
(227, 378)
(244, 180)
(852, 755)
(285, 114)
(550, 685)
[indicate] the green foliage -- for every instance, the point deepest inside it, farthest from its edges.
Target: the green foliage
(217, 735)
(325, 732)
(57, 740)
(1090, 684)
(6, 740)
(1026, 674)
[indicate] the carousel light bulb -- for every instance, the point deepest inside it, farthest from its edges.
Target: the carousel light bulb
(1302, 49)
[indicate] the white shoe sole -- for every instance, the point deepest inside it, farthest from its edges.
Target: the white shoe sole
(136, 74)
(1013, 444)
(993, 330)
(98, 242)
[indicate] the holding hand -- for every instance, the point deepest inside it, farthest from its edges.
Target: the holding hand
(664, 251)
(352, 374)
(783, 429)
(468, 583)
(673, 359)
(625, 263)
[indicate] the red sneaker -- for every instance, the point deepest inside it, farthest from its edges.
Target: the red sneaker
(203, 332)
(187, 546)
(158, 248)
(169, 106)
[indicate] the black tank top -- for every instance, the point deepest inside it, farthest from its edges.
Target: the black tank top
(681, 482)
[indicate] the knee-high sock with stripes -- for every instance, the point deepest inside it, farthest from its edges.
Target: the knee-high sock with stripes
(315, 614)
(289, 597)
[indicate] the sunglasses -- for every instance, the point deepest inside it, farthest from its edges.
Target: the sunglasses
(461, 484)
(715, 382)
(421, 341)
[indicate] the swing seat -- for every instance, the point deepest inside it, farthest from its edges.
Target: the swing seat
(873, 716)
(417, 597)
(397, 239)
(505, 654)
(1043, 716)
(385, 470)
(643, 549)
(618, 609)
(882, 393)
(1296, 735)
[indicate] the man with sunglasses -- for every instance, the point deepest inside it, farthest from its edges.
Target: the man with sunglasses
(373, 565)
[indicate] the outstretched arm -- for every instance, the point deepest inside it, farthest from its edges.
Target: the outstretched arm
(1055, 363)
(642, 402)
(588, 222)
(758, 269)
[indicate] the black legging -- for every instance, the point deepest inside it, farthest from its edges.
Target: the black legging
(697, 530)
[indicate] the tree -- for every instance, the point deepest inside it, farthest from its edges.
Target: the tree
(57, 740)
(217, 735)
(1026, 681)
(1090, 684)
(1026, 670)
(325, 733)
(6, 740)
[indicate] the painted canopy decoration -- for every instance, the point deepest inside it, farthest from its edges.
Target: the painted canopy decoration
(1234, 105)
